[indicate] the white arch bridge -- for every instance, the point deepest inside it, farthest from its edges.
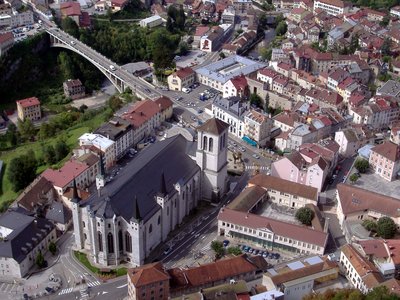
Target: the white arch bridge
(118, 76)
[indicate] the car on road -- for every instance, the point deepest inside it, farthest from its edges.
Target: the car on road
(178, 98)
(256, 156)
(243, 149)
(225, 243)
(167, 251)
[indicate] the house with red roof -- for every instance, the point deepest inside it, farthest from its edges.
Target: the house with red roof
(29, 108)
(73, 10)
(180, 79)
(385, 160)
(236, 87)
(6, 42)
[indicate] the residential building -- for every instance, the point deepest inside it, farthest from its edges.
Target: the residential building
(117, 5)
(37, 195)
(59, 215)
(228, 15)
(395, 133)
(242, 7)
(390, 88)
(151, 22)
(258, 127)
(395, 11)
(284, 192)
(6, 42)
(361, 273)
(145, 117)
(29, 108)
(216, 74)
(73, 10)
(22, 238)
(199, 33)
(74, 89)
(236, 87)
(270, 233)
(357, 204)
(214, 38)
(165, 106)
(120, 132)
(353, 138)
(332, 7)
(184, 77)
(385, 160)
(232, 111)
(100, 144)
(301, 277)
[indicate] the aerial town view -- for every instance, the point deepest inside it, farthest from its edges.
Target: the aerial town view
(200, 149)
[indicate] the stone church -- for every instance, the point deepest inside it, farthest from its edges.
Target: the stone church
(131, 215)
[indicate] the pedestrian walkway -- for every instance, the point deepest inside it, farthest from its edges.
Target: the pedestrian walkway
(84, 294)
(65, 291)
(94, 283)
(8, 287)
(261, 168)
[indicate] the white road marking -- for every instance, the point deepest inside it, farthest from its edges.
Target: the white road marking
(122, 286)
(65, 291)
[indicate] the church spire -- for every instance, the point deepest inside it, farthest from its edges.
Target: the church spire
(75, 196)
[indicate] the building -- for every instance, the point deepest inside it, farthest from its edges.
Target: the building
(134, 213)
(184, 77)
(6, 42)
(151, 22)
(100, 144)
(353, 138)
(73, 10)
(390, 88)
(213, 39)
(332, 7)
(74, 89)
(258, 127)
(29, 108)
(236, 87)
(395, 11)
(211, 156)
(270, 233)
(22, 238)
(284, 192)
(300, 278)
(385, 160)
(165, 106)
(120, 132)
(59, 215)
(216, 74)
(150, 281)
(232, 111)
(356, 204)
(362, 274)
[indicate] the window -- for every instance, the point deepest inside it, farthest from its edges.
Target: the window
(128, 242)
(83, 224)
(100, 238)
(110, 243)
(210, 144)
(159, 220)
(150, 228)
(120, 241)
(204, 143)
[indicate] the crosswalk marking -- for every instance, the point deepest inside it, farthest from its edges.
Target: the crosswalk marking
(65, 291)
(263, 168)
(93, 283)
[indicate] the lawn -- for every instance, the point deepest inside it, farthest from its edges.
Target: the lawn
(71, 136)
(82, 257)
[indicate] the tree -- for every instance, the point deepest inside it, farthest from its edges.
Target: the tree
(386, 227)
(381, 293)
(370, 225)
(52, 248)
(361, 165)
(49, 155)
(115, 103)
(183, 48)
(66, 65)
(234, 250)
(305, 215)
(22, 170)
(353, 178)
(255, 100)
(222, 55)
(385, 21)
(70, 27)
(40, 262)
(218, 248)
(386, 46)
(281, 28)
(61, 150)
(266, 53)
(26, 129)
(11, 134)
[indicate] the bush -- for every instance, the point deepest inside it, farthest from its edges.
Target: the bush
(234, 250)
(361, 165)
(305, 215)
(353, 178)
(40, 262)
(369, 225)
(386, 228)
(218, 248)
(52, 248)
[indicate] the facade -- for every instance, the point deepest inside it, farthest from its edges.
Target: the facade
(299, 278)
(151, 22)
(165, 106)
(6, 42)
(257, 127)
(236, 87)
(184, 77)
(74, 89)
(102, 145)
(120, 132)
(270, 233)
(332, 7)
(211, 156)
(242, 7)
(356, 204)
(385, 160)
(284, 192)
(29, 108)
(353, 138)
(22, 238)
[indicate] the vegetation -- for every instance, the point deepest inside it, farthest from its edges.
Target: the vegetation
(82, 257)
(40, 262)
(22, 170)
(281, 28)
(377, 4)
(234, 250)
(255, 100)
(218, 248)
(361, 165)
(353, 178)
(176, 19)
(305, 215)
(52, 248)
(385, 227)
(378, 293)
(370, 225)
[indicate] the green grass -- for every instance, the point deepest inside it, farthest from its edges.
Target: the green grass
(82, 257)
(71, 136)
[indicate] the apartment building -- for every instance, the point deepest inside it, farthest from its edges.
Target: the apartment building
(332, 7)
(101, 145)
(6, 42)
(120, 132)
(236, 87)
(74, 89)
(29, 108)
(184, 77)
(353, 138)
(242, 7)
(301, 277)
(385, 160)
(257, 127)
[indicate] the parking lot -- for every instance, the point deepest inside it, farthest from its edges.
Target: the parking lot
(23, 32)
(192, 59)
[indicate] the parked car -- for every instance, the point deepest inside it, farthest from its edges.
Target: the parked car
(225, 243)
(256, 156)
(167, 251)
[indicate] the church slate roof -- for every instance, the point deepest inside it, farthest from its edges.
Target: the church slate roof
(141, 179)
(213, 126)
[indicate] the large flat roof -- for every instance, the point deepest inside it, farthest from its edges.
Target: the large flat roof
(227, 68)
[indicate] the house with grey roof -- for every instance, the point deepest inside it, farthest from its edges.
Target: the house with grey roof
(22, 237)
(60, 215)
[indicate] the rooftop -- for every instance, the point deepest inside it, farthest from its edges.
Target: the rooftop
(28, 102)
(66, 174)
(213, 126)
(141, 112)
(389, 150)
(96, 140)
(114, 129)
(390, 88)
